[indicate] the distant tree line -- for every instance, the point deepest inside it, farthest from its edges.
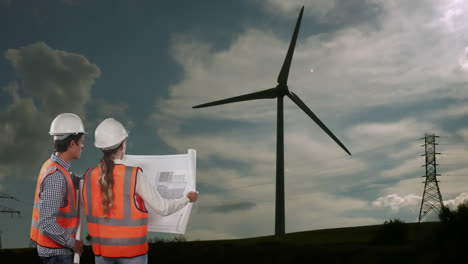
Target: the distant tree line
(453, 226)
(392, 232)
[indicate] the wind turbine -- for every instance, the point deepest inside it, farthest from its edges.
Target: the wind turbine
(279, 92)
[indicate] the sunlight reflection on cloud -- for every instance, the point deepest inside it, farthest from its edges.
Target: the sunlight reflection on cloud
(396, 202)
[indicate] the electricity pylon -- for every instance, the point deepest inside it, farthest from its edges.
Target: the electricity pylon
(432, 198)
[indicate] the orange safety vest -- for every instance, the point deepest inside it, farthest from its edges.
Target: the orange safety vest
(123, 232)
(66, 217)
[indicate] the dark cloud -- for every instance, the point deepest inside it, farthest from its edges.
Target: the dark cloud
(119, 111)
(231, 207)
(60, 81)
(101, 109)
(23, 130)
(50, 82)
(5, 3)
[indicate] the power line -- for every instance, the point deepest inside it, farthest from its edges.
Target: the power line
(4, 209)
(452, 181)
(6, 196)
(452, 144)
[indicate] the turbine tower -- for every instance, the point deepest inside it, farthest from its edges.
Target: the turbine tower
(279, 92)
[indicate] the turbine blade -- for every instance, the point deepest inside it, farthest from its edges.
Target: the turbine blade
(265, 94)
(284, 73)
(309, 112)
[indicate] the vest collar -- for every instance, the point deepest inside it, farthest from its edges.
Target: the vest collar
(60, 161)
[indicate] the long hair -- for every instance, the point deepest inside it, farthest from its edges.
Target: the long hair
(106, 180)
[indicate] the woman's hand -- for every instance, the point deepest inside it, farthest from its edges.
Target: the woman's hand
(192, 196)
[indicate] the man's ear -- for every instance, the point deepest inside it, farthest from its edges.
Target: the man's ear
(72, 142)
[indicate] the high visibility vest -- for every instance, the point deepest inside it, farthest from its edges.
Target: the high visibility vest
(66, 217)
(123, 232)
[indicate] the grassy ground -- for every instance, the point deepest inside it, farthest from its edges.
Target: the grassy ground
(367, 244)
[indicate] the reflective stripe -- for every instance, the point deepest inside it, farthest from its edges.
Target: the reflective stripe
(117, 221)
(70, 198)
(71, 201)
(68, 230)
(35, 224)
(119, 241)
(127, 206)
(49, 171)
(59, 214)
(66, 215)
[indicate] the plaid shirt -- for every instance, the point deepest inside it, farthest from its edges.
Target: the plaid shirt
(53, 196)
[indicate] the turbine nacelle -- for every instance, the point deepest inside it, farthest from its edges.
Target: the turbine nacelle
(283, 89)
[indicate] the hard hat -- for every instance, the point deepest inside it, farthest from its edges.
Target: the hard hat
(66, 124)
(109, 134)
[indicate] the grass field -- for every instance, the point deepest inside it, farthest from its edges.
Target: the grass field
(418, 243)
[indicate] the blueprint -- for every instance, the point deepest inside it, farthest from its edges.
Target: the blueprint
(173, 176)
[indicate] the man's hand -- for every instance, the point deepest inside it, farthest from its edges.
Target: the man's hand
(78, 247)
(193, 196)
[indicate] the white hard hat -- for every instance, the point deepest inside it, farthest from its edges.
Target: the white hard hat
(66, 124)
(109, 134)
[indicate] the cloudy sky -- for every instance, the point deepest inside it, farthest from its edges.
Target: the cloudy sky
(385, 72)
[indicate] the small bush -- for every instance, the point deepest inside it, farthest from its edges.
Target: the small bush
(392, 232)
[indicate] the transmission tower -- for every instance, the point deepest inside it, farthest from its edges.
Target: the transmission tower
(432, 199)
(7, 210)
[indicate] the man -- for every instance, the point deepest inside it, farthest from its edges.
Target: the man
(54, 219)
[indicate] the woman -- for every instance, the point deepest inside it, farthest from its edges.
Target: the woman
(114, 196)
